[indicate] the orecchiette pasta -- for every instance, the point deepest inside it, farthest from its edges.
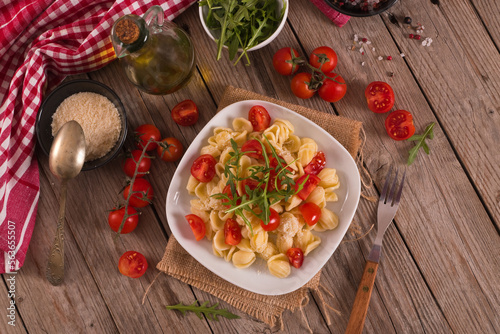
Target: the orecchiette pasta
(258, 239)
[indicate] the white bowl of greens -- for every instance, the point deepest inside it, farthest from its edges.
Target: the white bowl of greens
(256, 24)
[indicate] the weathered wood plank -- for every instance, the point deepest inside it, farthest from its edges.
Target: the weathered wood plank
(489, 12)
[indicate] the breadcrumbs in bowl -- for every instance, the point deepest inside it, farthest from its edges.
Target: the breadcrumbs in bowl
(98, 110)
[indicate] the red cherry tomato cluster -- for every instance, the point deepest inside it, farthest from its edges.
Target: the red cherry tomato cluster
(330, 86)
(380, 98)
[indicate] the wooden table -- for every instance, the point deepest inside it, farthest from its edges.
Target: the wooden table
(441, 267)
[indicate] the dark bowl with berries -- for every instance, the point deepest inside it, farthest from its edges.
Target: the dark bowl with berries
(361, 8)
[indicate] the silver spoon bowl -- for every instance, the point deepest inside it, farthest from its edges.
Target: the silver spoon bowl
(66, 158)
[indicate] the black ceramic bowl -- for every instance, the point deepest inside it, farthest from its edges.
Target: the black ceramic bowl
(344, 7)
(44, 118)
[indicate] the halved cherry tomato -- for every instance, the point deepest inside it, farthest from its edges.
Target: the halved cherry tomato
(170, 149)
(283, 63)
(399, 125)
(130, 164)
(273, 163)
(311, 213)
(295, 256)
(232, 232)
(317, 163)
(142, 193)
(132, 264)
(251, 184)
(379, 96)
(309, 185)
(259, 117)
(300, 85)
(185, 113)
(227, 191)
(197, 226)
(334, 89)
(325, 55)
(203, 168)
(274, 221)
(115, 219)
(254, 149)
(145, 133)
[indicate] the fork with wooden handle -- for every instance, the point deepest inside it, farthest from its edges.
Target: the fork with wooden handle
(387, 207)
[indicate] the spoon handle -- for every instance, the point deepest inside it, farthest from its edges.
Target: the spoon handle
(55, 266)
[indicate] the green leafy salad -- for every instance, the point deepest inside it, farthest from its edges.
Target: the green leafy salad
(242, 24)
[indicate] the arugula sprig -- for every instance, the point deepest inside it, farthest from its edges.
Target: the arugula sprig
(257, 201)
(420, 142)
(242, 23)
(210, 312)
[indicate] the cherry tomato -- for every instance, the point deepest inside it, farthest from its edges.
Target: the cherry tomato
(251, 184)
(147, 132)
(232, 232)
(379, 96)
(132, 264)
(227, 191)
(274, 221)
(283, 63)
(273, 163)
(300, 85)
(317, 163)
(197, 226)
(254, 149)
(399, 125)
(259, 117)
(203, 168)
(142, 193)
(295, 256)
(309, 185)
(332, 90)
(185, 113)
(170, 149)
(115, 219)
(130, 164)
(311, 213)
(326, 55)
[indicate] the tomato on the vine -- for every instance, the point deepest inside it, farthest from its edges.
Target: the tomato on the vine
(311, 213)
(115, 219)
(170, 149)
(185, 113)
(203, 168)
(323, 58)
(379, 96)
(274, 221)
(333, 88)
(232, 232)
(253, 149)
(295, 256)
(147, 132)
(142, 193)
(197, 226)
(283, 61)
(132, 264)
(308, 185)
(300, 85)
(259, 117)
(316, 164)
(130, 164)
(399, 125)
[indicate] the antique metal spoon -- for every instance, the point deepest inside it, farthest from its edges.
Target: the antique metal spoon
(66, 158)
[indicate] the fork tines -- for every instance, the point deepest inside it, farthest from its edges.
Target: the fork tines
(387, 195)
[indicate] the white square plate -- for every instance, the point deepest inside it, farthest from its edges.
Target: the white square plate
(257, 278)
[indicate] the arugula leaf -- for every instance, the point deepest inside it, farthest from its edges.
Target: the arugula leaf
(420, 139)
(210, 312)
(242, 24)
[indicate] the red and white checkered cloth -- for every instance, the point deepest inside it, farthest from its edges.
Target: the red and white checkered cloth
(42, 41)
(338, 18)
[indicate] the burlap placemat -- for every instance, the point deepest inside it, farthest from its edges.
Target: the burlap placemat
(178, 263)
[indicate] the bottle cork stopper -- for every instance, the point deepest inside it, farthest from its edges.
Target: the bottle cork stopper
(127, 31)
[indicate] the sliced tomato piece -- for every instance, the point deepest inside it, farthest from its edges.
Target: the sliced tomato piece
(295, 256)
(399, 125)
(203, 168)
(259, 117)
(197, 226)
(232, 232)
(309, 182)
(317, 163)
(311, 213)
(185, 113)
(379, 96)
(132, 264)
(253, 149)
(274, 221)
